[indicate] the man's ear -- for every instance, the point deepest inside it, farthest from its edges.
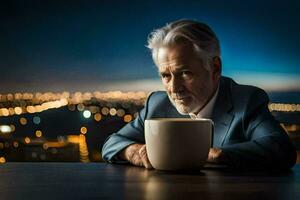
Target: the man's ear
(216, 67)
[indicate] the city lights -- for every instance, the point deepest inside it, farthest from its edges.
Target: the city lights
(27, 140)
(2, 160)
(38, 133)
(97, 117)
(127, 118)
(87, 114)
(36, 120)
(112, 111)
(284, 107)
(83, 130)
(16, 144)
(23, 115)
(104, 111)
(120, 112)
(80, 107)
(5, 129)
(18, 110)
(23, 121)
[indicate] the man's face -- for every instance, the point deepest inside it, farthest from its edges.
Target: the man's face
(188, 84)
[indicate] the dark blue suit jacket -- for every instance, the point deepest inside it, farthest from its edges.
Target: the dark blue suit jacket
(243, 128)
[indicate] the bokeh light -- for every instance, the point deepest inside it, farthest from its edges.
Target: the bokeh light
(83, 130)
(5, 112)
(36, 120)
(97, 117)
(87, 114)
(127, 118)
(112, 111)
(104, 111)
(18, 110)
(23, 121)
(5, 129)
(11, 111)
(120, 112)
(38, 133)
(2, 160)
(80, 107)
(16, 144)
(27, 140)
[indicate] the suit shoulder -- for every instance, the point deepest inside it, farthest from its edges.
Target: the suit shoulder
(245, 92)
(157, 97)
(159, 105)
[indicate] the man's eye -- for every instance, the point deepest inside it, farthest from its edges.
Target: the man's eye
(186, 73)
(165, 75)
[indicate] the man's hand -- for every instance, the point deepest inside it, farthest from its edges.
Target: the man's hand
(216, 155)
(136, 154)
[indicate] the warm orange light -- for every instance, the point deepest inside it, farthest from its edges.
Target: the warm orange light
(27, 140)
(18, 110)
(38, 133)
(11, 111)
(10, 97)
(2, 160)
(5, 112)
(284, 107)
(97, 117)
(73, 139)
(127, 118)
(23, 121)
(30, 109)
(83, 130)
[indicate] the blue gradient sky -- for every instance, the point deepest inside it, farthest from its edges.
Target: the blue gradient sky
(88, 45)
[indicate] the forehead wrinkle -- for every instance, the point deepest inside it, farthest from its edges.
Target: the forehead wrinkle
(173, 59)
(174, 64)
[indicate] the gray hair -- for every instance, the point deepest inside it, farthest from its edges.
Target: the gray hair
(201, 36)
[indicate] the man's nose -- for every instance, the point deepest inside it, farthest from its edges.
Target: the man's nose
(176, 85)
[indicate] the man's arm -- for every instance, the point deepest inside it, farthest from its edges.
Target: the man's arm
(131, 133)
(267, 146)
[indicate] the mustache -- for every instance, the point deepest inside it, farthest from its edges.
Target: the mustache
(179, 95)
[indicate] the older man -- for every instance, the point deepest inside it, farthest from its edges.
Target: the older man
(246, 136)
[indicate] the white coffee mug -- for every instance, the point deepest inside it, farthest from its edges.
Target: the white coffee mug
(178, 143)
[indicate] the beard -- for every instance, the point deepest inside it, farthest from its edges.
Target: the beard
(182, 108)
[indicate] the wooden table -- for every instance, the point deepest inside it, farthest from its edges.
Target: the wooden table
(106, 181)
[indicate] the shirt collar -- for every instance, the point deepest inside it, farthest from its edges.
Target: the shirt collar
(206, 112)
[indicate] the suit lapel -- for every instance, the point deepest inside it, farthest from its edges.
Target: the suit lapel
(222, 117)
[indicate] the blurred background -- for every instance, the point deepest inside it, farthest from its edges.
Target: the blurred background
(73, 72)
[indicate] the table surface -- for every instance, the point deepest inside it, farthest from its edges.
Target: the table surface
(106, 181)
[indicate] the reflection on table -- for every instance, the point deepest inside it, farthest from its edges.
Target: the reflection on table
(107, 181)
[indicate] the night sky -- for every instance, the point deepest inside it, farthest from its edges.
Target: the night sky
(100, 45)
